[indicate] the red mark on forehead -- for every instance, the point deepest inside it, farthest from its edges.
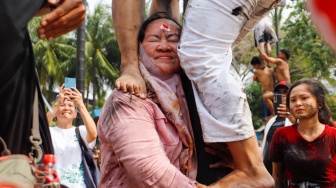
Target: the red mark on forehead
(164, 27)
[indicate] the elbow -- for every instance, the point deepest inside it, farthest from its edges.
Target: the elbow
(92, 137)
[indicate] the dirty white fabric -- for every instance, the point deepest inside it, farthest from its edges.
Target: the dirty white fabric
(209, 30)
(263, 28)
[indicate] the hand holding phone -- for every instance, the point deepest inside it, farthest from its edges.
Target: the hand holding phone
(277, 100)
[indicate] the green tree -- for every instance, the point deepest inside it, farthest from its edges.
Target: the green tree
(101, 53)
(254, 98)
(54, 59)
(311, 57)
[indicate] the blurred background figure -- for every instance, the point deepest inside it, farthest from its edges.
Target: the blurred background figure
(66, 145)
(282, 118)
(96, 149)
(264, 36)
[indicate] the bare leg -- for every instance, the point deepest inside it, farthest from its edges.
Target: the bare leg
(127, 19)
(262, 48)
(169, 6)
(206, 57)
(268, 49)
(249, 169)
(268, 98)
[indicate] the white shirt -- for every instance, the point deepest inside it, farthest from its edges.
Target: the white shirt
(68, 155)
(268, 126)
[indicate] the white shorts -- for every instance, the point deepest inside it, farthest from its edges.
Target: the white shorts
(209, 30)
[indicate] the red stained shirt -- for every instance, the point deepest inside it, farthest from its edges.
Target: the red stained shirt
(306, 161)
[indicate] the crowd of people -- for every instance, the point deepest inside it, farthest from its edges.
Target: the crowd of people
(178, 116)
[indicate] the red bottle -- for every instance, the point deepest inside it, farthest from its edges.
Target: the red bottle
(49, 163)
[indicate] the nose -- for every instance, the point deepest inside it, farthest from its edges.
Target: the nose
(164, 46)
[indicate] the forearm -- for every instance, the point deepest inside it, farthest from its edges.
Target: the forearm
(127, 19)
(89, 124)
(50, 117)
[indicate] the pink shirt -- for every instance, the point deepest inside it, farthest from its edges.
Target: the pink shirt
(144, 141)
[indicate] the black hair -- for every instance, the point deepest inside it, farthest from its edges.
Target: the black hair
(317, 89)
(255, 60)
(286, 52)
(156, 16)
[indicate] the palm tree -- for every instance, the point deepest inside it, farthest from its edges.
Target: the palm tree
(54, 60)
(101, 53)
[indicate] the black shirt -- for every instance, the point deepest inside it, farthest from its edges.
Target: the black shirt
(18, 78)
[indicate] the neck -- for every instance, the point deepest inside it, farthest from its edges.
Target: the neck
(64, 125)
(310, 126)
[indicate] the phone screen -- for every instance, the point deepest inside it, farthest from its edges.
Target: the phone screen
(277, 100)
(69, 82)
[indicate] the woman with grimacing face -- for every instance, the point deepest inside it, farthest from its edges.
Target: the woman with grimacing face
(305, 153)
(148, 143)
(161, 45)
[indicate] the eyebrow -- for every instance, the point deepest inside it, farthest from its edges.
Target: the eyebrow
(170, 35)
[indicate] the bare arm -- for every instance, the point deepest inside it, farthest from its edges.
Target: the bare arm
(255, 76)
(278, 174)
(50, 115)
(90, 125)
(266, 58)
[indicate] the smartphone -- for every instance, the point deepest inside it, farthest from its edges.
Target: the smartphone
(277, 100)
(69, 82)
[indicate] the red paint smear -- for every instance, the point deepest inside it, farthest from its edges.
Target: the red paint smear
(327, 7)
(165, 26)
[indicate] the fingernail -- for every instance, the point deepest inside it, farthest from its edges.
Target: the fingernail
(44, 23)
(142, 95)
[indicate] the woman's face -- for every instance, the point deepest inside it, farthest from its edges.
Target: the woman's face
(66, 110)
(303, 104)
(161, 45)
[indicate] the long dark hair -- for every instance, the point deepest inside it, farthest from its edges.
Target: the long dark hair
(156, 16)
(317, 89)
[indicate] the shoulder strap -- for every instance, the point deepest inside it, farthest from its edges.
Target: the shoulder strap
(35, 137)
(80, 140)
